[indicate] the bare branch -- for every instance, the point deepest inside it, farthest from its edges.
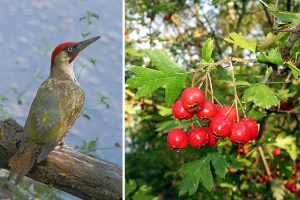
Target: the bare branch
(65, 169)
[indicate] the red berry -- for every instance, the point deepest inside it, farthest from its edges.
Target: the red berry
(240, 134)
(276, 152)
(192, 99)
(298, 165)
(252, 127)
(274, 175)
(266, 178)
(295, 175)
(177, 139)
(191, 125)
(293, 188)
(229, 112)
(287, 185)
(221, 126)
(243, 171)
(248, 178)
(197, 137)
(240, 150)
(179, 112)
(286, 105)
(167, 17)
(212, 141)
(207, 111)
(260, 180)
(218, 107)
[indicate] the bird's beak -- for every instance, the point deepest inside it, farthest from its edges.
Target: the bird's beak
(83, 44)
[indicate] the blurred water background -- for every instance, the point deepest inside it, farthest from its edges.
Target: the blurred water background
(30, 30)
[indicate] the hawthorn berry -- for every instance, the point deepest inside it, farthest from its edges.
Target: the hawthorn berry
(252, 127)
(260, 180)
(192, 99)
(287, 185)
(167, 17)
(179, 112)
(212, 141)
(218, 107)
(197, 137)
(266, 178)
(221, 126)
(207, 111)
(298, 165)
(240, 150)
(293, 188)
(243, 171)
(177, 139)
(276, 152)
(240, 134)
(229, 112)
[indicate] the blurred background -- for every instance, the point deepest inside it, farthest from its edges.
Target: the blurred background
(29, 32)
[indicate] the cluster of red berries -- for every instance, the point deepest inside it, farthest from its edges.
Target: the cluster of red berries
(222, 122)
(292, 187)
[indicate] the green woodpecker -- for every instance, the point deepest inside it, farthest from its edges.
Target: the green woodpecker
(53, 111)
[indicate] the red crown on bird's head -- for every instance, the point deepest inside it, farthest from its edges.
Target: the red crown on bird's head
(59, 48)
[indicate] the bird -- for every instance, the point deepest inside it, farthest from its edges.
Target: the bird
(56, 106)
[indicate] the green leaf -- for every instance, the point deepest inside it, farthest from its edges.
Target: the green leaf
(261, 95)
(267, 42)
(242, 41)
(142, 193)
(257, 115)
(288, 16)
(274, 57)
(288, 143)
(277, 189)
(200, 171)
(207, 49)
(295, 70)
(189, 184)
(192, 177)
(169, 75)
(220, 165)
(130, 186)
(285, 94)
(205, 173)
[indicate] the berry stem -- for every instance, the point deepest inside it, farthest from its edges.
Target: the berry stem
(264, 160)
(206, 84)
(211, 88)
(215, 98)
(229, 109)
(243, 110)
(195, 74)
(235, 92)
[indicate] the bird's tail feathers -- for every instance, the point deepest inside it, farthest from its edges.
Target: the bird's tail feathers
(22, 162)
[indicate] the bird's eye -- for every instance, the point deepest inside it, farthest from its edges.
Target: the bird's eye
(70, 49)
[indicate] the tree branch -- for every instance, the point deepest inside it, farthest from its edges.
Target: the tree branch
(65, 169)
(285, 52)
